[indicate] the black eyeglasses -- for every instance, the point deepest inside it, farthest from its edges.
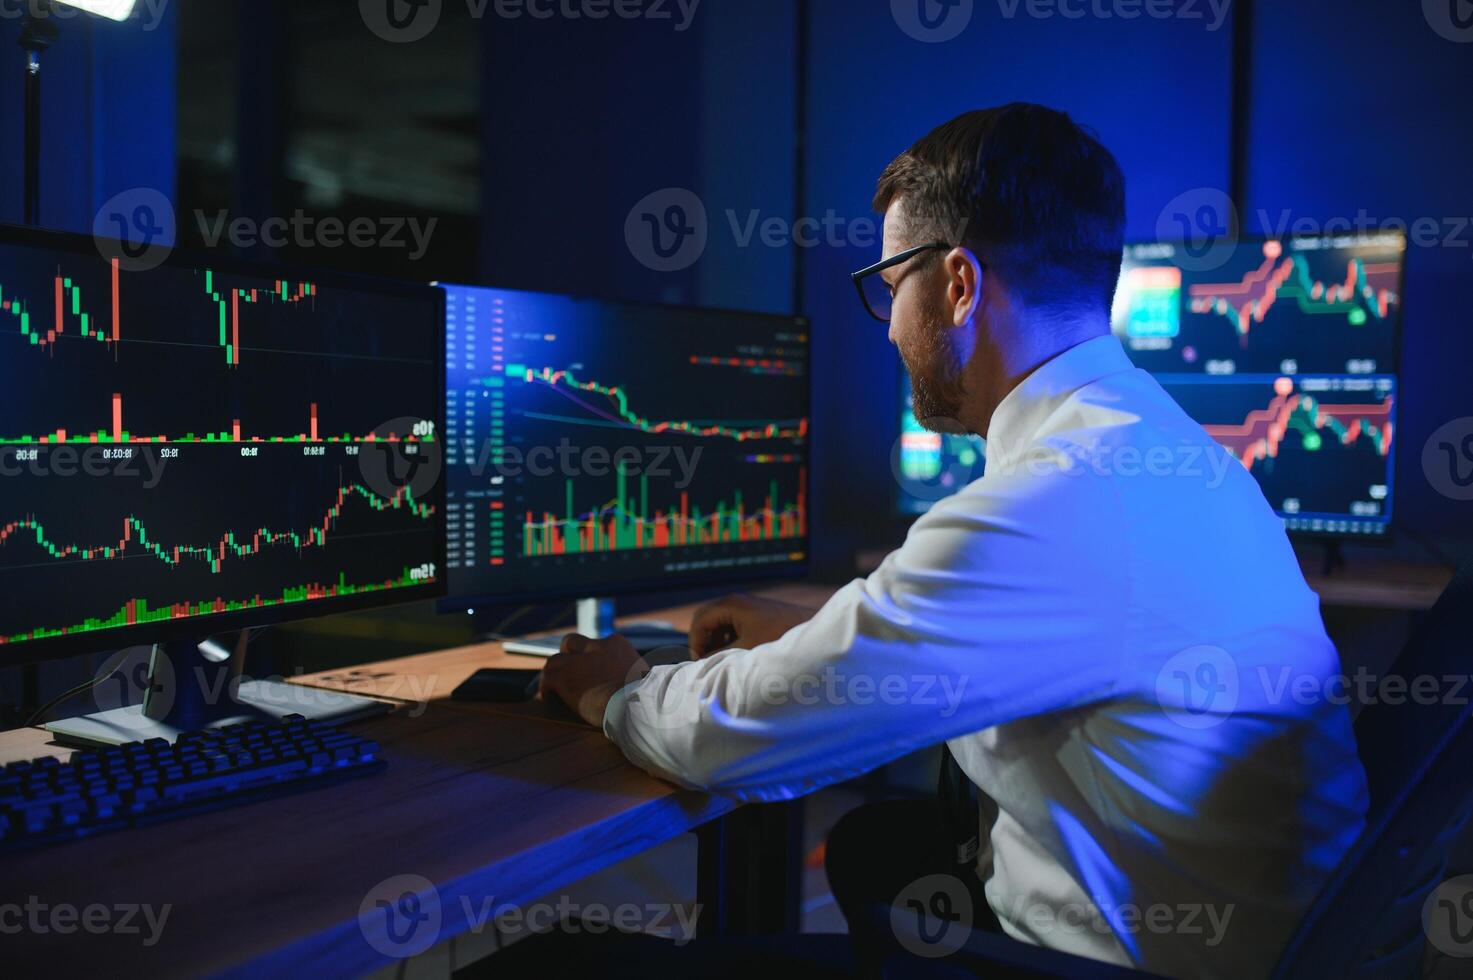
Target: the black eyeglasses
(874, 292)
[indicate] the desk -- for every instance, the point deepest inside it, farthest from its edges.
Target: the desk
(484, 806)
(1377, 583)
(430, 677)
(497, 806)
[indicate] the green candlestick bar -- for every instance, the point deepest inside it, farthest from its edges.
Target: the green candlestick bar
(136, 611)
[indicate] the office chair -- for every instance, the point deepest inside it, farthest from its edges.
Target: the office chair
(1367, 922)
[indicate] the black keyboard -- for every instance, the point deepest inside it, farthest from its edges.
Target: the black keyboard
(48, 801)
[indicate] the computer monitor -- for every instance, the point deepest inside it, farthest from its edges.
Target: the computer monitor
(1288, 352)
(929, 466)
(596, 448)
(204, 445)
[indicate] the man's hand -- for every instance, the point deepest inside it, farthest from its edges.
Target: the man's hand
(742, 621)
(587, 673)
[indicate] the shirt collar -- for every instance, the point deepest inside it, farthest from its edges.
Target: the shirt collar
(1027, 406)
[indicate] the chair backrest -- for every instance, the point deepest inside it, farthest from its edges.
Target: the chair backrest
(1418, 755)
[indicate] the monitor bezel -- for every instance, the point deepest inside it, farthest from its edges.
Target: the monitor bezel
(201, 627)
(452, 603)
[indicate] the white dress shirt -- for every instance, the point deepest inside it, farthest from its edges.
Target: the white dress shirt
(1112, 633)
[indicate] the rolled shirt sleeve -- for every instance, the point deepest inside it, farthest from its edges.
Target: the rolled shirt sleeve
(977, 620)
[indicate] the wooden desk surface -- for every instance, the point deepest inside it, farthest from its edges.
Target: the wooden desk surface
(1378, 583)
(430, 677)
(488, 808)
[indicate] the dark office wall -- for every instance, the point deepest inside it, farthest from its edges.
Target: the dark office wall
(584, 119)
(108, 98)
(1365, 116)
(1155, 90)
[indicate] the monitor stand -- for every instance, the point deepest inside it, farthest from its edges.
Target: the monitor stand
(596, 619)
(1334, 559)
(192, 686)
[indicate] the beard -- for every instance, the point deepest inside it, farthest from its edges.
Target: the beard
(937, 380)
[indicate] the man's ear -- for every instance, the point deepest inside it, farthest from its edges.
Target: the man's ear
(963, 284)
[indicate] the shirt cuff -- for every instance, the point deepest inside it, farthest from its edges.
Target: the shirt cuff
(617, 711)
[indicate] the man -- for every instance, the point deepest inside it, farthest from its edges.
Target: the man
(1100, 627)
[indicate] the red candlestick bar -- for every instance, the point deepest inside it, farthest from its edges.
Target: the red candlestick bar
(117, 319)
(117, 417)
(314, 421)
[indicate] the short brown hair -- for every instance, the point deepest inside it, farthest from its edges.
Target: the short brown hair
(1038, 198)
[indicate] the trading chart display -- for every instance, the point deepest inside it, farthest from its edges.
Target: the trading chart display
(594, 445)
(929, 466)
(1287, 352)
(199, 441)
